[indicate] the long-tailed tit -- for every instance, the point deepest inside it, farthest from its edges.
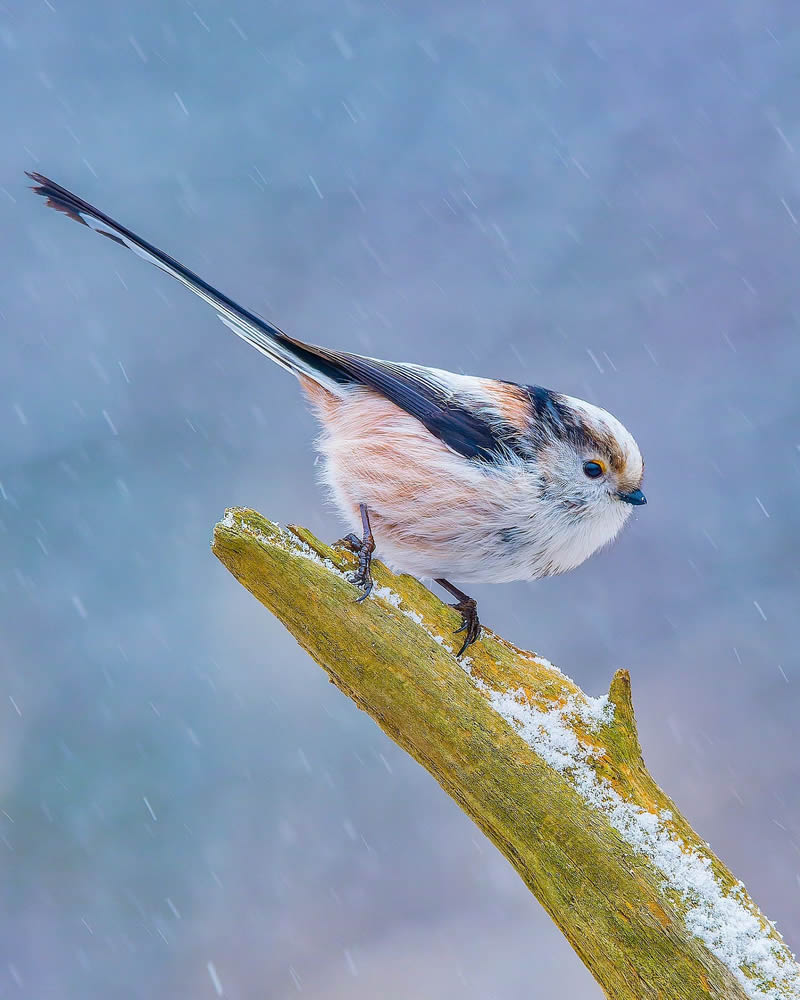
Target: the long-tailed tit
(457, 476)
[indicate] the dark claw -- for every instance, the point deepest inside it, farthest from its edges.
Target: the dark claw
(470, 624)
(363, 575)
(351, 542)
(364, 547)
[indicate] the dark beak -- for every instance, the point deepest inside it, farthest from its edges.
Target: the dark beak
(635, 497)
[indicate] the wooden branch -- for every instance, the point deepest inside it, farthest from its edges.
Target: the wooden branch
(555, 779)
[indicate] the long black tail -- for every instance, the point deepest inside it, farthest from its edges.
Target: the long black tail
(295, 356)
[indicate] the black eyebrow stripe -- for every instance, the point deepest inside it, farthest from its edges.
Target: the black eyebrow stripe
(554, 416)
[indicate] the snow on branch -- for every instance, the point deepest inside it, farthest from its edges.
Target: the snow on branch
(553, 777)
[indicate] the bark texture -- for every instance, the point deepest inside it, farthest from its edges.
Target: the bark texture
(490, 729)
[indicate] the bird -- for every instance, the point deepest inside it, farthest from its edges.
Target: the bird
(449, 476)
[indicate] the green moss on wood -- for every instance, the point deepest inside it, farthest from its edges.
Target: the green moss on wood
(606, 899)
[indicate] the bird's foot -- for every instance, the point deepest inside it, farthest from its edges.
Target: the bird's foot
(364, 547)
(362, 577)
(470, 623)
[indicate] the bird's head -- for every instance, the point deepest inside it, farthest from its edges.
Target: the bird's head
(589, 462)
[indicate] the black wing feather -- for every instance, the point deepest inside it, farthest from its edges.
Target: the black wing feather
(462, 428)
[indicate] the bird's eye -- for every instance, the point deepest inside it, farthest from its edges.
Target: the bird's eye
(594, 470)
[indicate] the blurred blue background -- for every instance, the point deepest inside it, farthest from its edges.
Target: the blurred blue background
(602, 198)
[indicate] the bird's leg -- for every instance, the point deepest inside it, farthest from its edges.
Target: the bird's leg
(364, 546)
(468, 607)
